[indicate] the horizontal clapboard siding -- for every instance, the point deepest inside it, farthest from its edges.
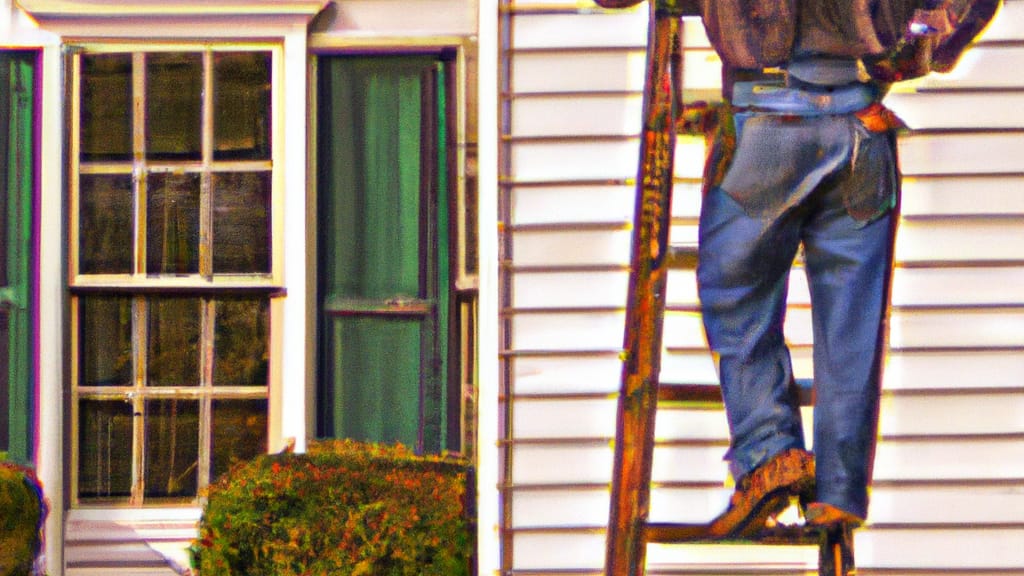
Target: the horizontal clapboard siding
(947, 497)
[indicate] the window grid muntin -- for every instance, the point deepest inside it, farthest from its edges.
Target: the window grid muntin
(140, 167)
(204, 286)
(139, 392)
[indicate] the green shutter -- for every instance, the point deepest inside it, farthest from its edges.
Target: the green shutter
(18, 80)
(383, 258)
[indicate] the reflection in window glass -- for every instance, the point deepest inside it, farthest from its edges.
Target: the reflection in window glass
(241, 222)
(241, 91)
(105, 354)
(172, 448)
(173, 348)
(239, 432)
(104, 460)
(105, 224)
(172, 224)
(106, 97)
(174, 98)
(240, 342)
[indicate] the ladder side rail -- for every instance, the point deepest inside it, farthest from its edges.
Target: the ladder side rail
(634, 438)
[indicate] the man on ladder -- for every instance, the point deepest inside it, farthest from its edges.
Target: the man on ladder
(805, 154)
(814, 164)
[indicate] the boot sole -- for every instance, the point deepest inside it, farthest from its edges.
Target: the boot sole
(795, 482)
(771, 504)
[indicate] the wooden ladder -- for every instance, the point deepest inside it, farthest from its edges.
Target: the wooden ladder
(629, 531)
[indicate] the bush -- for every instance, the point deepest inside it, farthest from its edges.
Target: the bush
(343, 509)
(22, 511)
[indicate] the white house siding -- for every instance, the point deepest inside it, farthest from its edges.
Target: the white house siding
(948, 496)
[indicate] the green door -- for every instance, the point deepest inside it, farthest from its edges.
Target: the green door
(383, 249)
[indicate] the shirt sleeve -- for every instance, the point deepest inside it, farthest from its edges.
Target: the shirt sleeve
(934, 39)
(970, 17)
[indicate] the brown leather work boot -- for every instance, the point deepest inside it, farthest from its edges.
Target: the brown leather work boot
(821, 515)
(765, 492)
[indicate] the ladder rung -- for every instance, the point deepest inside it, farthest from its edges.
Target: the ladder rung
(697, 393)
(666, 533)
(682, 256)
(712, 393)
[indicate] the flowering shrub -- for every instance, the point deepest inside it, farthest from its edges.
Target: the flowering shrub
(22, 511)
(342, 509)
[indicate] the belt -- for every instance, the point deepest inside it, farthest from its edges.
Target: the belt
(773, 98)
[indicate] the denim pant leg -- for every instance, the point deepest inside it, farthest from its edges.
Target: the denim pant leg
(848, 267)
(743, 271)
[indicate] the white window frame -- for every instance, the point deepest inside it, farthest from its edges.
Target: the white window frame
(204, 283)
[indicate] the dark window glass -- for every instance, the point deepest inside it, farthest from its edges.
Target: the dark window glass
(240, 346)
(106, 105)
(241, 109)
(241, 222)
(105, 341)
(105, 235)
(172, 448)
(174, 104)
(172, 354)
(172, 224)
(239, 432)
(104, 449)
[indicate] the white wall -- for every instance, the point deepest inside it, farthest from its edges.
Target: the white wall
(949, 463)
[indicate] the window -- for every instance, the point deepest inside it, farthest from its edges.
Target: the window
(173, 241)
(392, 358)
(17, 178)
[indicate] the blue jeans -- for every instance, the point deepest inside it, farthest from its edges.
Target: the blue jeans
(826, 183)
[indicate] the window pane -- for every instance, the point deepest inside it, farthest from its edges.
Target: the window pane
(5, 386)
(174, 98)
(106, 224)
(104, 449)
(105, 341)
(106, 107)
(173, 348)
(239, 432)
(240, 345)
(241, 90)
(172, 224)
(371, 160)
(241, 222)
(373, 383)
(172, 448)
